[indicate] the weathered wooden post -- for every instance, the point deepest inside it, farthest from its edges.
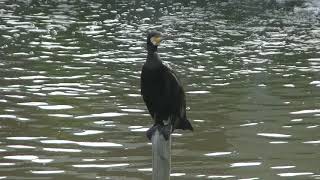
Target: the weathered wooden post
(161, 157)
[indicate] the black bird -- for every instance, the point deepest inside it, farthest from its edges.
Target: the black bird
(162, 92)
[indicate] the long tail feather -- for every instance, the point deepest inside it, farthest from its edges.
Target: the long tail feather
(184, 125)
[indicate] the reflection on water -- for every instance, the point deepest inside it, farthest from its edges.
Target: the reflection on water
(70, 99)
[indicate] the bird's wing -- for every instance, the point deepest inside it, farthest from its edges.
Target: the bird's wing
(178, 101)
(145, 96)
(175, 93)
(171, 75)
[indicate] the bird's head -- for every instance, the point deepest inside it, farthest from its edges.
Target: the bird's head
(154, 38)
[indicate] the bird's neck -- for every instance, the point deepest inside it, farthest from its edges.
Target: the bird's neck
(153, 58)
(152, 53)
(152, 49)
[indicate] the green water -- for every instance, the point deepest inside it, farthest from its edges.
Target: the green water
(70, 104)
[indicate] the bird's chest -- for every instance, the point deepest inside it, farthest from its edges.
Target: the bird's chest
(154, 81)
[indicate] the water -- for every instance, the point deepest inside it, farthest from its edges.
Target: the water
(70, 103)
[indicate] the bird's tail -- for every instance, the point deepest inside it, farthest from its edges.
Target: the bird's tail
(185, 124)
(188, 125)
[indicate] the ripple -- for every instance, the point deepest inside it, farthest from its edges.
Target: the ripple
(218, 154)
(306, 111)
(88, 144)
(274, 135)
(33, 77)
(176, 134)
(93, 32)
(314, 126)
(53, 46)
(108, 114)
(56, 107)
(139, 9)
(67, 86)
(21, 147)
(249, 124)
(7, 164)
(88, 160)
(99, 144)
(110, 21)
(315, 82)
(220, 84)
(88, 132)
(61, 115)
(100, 165)
(133, 110)
(72, 67)
(198, 120)
(134, 95)
(282, 167)
(57, 142)
(68, 77)
(134, 127)
(314, 59)
(198, 92)
(220, 176)
(177, 174)
(262, 85)
(33, 104)
(245, 164)
(139, 129)
(278, 142)
(47, 172)
(61, 150)
(21, 157)
(42, 161)
(197, 69)
(289, 85)
(8, 116)
(295, 174)
(25, 138)
(103, 122)
(85, 55)
(145, 169)
(296, 120)
(312, 142)
(60, 93)
(16, 96)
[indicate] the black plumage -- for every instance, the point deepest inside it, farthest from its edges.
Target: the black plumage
(162, 92)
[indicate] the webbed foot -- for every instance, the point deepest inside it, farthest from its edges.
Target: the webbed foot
(151, 131)
(165, 131)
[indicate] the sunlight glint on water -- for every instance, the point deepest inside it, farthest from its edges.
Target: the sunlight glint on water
(70, 95)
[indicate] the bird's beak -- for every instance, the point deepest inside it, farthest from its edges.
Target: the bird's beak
(158, 40)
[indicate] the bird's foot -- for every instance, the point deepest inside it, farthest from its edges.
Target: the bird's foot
(165, 130)
(151, 131)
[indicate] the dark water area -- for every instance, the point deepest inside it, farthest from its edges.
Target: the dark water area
(70, 104)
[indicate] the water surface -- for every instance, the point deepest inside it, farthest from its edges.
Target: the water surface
(70, 98)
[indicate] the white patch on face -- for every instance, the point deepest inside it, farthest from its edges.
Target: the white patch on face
(155, 41)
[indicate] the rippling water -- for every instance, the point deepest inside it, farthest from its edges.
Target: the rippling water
(70, 101)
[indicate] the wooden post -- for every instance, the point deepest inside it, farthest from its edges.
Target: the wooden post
(161, 157)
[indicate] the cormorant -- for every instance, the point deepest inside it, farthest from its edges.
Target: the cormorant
(162, 92)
